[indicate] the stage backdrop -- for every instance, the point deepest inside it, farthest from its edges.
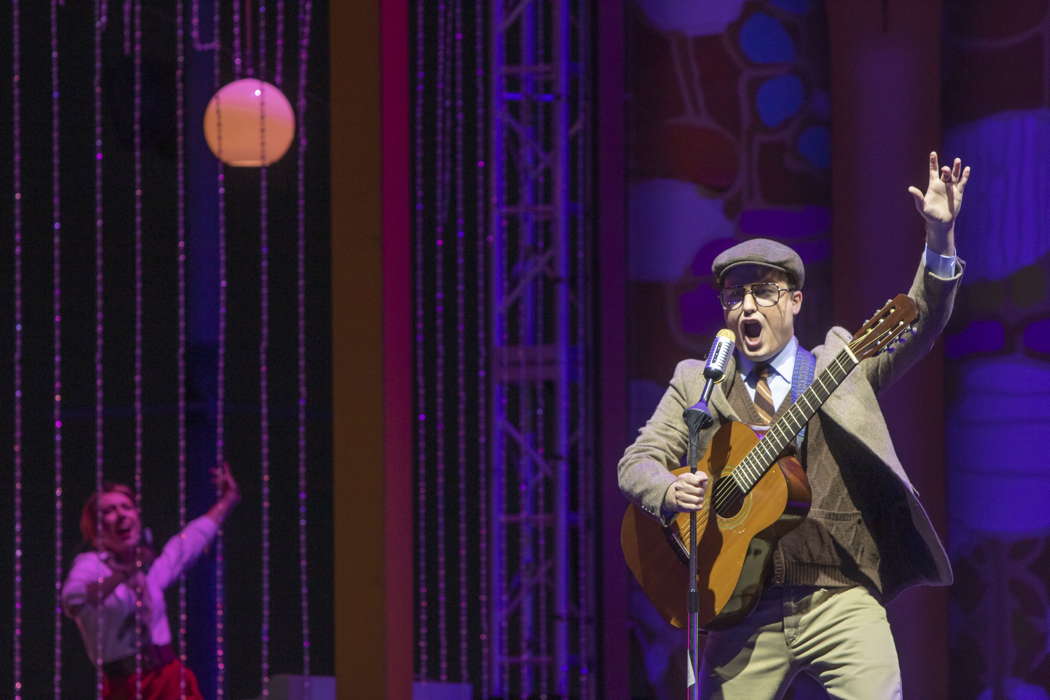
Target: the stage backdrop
(997, 365)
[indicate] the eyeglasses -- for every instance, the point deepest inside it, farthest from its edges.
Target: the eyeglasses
(764, 293)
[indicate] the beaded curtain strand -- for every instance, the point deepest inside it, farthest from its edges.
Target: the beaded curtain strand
(56, 334)
(136, 31)
(278, 59)
(16, 174)
(264, 356)
(195, 29)
(517, 485)
(441, 210)
(502, 545)
(305, 14)
(461, 339)
(126, 12)
(422, 633)
(500, 494)
(101, 11)
(220, 373)
(238, 53)
(180, 357)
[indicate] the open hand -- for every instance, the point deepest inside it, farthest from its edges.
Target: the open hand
(939, 206)
(225, 483)
(229, 493)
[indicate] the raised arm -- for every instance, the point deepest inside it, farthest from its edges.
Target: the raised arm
(184, 548)
(932, 289)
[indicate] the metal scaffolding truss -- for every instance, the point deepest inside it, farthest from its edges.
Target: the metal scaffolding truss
(542, 591)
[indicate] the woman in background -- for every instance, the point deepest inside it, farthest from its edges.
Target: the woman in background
(115, 592)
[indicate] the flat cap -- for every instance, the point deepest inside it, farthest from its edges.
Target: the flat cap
(760, 251)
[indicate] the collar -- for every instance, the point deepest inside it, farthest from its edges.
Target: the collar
(783, 363)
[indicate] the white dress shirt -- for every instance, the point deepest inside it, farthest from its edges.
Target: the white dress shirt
(779, 379)
(117, 611)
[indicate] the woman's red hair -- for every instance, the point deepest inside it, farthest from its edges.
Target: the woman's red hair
(88, 516)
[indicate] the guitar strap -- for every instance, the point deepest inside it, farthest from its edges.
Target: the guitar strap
(802, 377)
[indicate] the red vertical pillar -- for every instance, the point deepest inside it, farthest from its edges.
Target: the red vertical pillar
(885, 95)
(397, 347)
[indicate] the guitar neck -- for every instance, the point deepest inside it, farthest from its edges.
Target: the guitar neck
(762, 456)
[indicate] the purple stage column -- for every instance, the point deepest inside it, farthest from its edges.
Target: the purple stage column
(885, 89)
(613, 430)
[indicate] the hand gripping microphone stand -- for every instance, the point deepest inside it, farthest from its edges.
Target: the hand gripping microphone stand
(697, 417)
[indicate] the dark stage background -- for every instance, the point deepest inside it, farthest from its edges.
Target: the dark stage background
(507, 245)
(160, 329)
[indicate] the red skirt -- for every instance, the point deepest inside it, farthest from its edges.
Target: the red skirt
(159, 684)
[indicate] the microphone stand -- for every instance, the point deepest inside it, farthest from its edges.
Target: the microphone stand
(696, 417)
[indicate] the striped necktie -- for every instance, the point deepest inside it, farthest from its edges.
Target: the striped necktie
(763, 396)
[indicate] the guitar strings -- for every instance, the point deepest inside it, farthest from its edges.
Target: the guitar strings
(753, 468)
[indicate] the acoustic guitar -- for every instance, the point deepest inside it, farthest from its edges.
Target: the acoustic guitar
(756, 495)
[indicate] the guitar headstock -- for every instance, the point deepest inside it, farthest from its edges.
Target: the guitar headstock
(887, 325)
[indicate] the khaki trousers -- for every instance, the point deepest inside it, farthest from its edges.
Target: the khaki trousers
(840, 636)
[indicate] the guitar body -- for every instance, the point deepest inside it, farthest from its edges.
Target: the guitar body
(734, 550)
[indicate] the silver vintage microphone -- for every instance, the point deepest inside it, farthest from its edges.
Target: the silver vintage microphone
(718, 357)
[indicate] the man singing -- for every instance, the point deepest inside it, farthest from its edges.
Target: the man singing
(866, 537)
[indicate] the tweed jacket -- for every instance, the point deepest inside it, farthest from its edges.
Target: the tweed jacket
(910, 551)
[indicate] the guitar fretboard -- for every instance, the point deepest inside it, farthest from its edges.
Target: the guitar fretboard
(762, 456)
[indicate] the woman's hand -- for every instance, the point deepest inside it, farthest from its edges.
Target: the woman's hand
(229, 493)
(225, 484)
(129, 569)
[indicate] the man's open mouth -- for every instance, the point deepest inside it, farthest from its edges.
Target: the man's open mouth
(751, 329)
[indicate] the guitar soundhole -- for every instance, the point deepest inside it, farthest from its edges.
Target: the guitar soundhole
(728, 497)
